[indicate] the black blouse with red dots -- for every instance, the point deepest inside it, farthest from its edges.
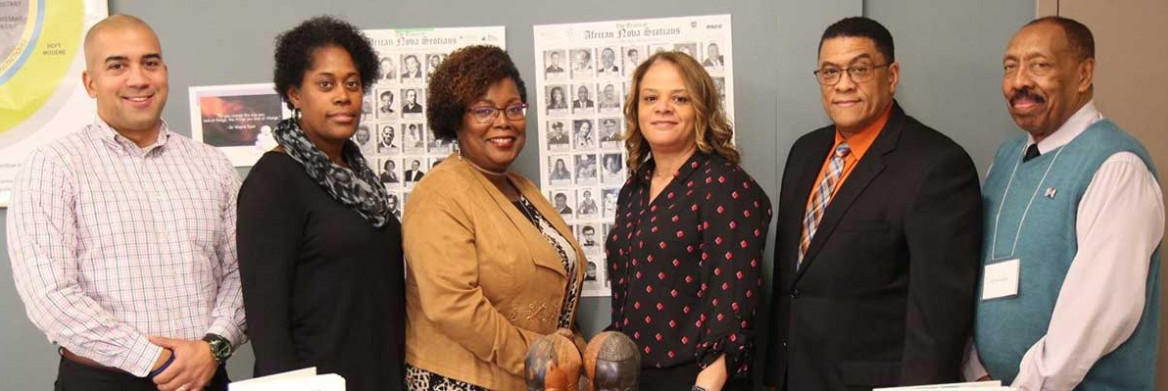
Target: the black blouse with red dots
(686, 266)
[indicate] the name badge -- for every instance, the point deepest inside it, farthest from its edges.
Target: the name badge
(1001, 279)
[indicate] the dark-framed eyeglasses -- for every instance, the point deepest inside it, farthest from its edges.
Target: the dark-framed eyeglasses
(829, 76)
(484, 114)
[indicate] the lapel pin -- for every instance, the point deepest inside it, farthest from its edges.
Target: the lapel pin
(1050, 192)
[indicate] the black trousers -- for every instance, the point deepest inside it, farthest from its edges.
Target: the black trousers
(681, 378)
(72, 376)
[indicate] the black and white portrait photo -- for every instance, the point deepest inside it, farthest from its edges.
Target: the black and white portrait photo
(714, 60)
(395, 205)
(557, 100)
(581, 63)
(608, 62)
(608, 198)
(432, 62)
(387, 140)
(584, 135)
(632, 57)
(560, 174)
(582, 102)
(612, 170)
(415, 135)
(389, 172)
(590, 240)
(610, 99)
(561, 201)
(362, 138)
(437, 147)
(587, 205)
(415, 170)
(388, 71)
(412, 101)
(411, 71)
(586, 169)
(557, 136)
(610, 133)
(386, 109)
(720, 84)
(690, 49)
(553, 61)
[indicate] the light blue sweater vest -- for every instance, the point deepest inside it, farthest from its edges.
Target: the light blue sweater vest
(1007, 327)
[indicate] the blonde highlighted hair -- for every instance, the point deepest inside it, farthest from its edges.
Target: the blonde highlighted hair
(714, 133)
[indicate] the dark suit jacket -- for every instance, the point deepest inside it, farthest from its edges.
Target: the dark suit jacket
(581, 103)
(885, 294)
(414, 175)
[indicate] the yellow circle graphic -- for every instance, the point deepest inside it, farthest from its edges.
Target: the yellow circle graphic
(47, 38)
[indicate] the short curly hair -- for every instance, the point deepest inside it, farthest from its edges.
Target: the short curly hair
(295, 47)
(463, 78)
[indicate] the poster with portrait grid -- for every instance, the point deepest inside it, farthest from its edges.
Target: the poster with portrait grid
(583, 72)
(393, 134)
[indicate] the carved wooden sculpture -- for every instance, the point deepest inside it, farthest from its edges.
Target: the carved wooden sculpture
(612, 362)
(552, 364)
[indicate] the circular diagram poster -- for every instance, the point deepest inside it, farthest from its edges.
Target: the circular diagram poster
(41, 60)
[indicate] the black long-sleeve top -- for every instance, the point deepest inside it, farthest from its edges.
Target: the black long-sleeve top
(321, 286)
(686, 267)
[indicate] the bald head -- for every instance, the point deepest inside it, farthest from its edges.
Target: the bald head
(125, 73)
(112, 27)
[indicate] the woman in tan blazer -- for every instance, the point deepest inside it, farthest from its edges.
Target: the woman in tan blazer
(491, 265)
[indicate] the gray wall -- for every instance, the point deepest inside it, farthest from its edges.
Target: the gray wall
(950, 53)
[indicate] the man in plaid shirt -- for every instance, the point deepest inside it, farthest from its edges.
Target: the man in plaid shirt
(122, 235)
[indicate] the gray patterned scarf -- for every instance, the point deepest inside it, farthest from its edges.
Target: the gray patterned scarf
(356, 188)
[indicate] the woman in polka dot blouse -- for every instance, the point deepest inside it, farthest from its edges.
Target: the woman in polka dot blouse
(684, 254)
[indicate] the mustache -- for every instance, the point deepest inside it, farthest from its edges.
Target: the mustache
(1026, 93)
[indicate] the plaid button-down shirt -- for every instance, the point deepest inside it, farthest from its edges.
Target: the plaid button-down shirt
(111, 243)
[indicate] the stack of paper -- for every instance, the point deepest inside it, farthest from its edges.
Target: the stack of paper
(976, 386)
(301, 380)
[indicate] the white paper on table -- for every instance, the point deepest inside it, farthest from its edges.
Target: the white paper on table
(993, 385)
(299, 380)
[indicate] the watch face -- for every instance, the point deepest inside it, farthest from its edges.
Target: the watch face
(220, 348)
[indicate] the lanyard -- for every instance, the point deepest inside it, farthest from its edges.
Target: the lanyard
(998, 216)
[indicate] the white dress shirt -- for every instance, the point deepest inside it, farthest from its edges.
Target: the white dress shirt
(1118, 225)
(111, 243)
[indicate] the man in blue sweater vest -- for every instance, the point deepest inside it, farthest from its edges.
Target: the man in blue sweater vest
(1069, 297)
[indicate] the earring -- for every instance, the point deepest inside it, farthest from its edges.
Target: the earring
(296, 114)
(457, 149)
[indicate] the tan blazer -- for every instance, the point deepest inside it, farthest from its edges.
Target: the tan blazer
(482, 282)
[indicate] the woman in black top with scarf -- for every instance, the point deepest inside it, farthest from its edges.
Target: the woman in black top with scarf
(319, 249)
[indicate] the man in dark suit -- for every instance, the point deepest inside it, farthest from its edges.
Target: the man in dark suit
(554, 59)
(411, 105)
(582, 101)
(714, 58)
(878, 237)
(415, 172)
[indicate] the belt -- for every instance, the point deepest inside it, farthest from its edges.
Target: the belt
(87, 362)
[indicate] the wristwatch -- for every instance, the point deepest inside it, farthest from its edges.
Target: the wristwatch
(220, 347)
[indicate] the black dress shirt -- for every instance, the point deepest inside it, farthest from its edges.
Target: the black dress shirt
(686, 268)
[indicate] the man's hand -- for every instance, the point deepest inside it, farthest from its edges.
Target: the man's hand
(193, 365)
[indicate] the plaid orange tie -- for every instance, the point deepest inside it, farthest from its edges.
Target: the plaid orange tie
(823, 195)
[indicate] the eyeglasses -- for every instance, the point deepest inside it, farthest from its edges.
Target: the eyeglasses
(829, 76)
(484, 114)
